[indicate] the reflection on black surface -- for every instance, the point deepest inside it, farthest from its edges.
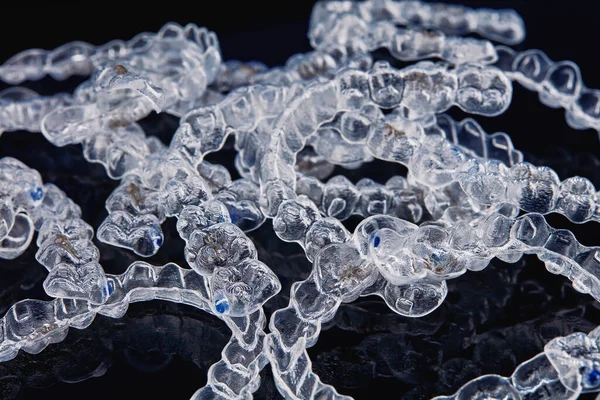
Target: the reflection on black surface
(145, 350)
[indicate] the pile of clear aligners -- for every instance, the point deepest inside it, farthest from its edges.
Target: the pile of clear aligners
(459, 206)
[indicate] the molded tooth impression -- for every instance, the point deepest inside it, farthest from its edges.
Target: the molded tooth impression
(140, 233)
(219, 245)
(243, 288)
(121, 78)
(78, 281)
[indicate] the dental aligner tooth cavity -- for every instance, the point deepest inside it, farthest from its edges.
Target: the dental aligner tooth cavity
(241, 289)
(294, 217)
(219, 245)
(140, 233)
(341, 271)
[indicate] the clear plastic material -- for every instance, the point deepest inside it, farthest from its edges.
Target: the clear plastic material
(468, 196)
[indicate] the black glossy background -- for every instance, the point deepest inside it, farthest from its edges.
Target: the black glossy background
(490, 322)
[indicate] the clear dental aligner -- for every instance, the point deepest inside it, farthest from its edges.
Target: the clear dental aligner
(103, 121)
(372, 25)
(255, 111)
(360, 95)
(102, 112)
(299, 68)
(410, 276)
(295, 222)
(133, 213)
(470, 137)
(333, 99)
(567, 368)
(213, 242)
(90, 354)
(403, 44)
(559, 84)
(23, 109)
(239, 287)
(293, 226)
(398, 197)
(31, 325)
(199, 49)
(505, 26)
(512, 156)
(164, 187)
(20, 192)
(64, 239)
(298, 223)
(296, 218)
(339, 198)
(26, 203)
(299, 218)
(215, 248)
(168, 185)
(432, 160)
(219, 250)
(148, 54)
(467, 135)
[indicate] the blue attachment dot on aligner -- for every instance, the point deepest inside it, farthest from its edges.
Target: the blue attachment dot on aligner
(158, 240)
(220, 219)
(234, 214)
(36, 193)
(592, 377)
(375, 239)
(222, 305)
(111, 287)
